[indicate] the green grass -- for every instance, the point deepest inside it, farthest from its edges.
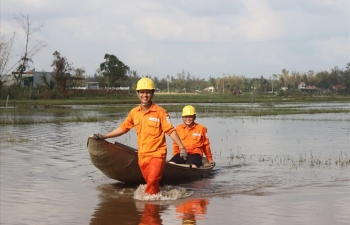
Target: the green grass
(304, 160)
(177, 98)
(75, 110)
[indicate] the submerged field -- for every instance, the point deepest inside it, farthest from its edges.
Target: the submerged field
(285, 169)
(104, 109)
(99, 113)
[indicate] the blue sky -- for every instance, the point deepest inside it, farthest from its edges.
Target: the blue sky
(252, 38)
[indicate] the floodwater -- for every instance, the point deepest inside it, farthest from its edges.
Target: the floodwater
(269, 170)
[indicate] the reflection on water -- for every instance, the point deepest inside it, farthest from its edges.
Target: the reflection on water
(108, 211)
(126, 211)
(151, 214)
(284, 169)
(192, 210)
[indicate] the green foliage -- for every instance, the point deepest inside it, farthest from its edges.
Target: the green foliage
(61, 70)
(45, 84)
(114, 70)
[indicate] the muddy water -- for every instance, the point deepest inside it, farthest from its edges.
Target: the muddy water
(270, 170)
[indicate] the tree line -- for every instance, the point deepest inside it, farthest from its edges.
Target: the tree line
(112, 72)
(184, 82)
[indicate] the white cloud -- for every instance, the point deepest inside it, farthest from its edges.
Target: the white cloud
(334, 48)
(206, 38)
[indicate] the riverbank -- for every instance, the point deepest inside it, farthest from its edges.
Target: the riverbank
(176, 98)
(98, 110)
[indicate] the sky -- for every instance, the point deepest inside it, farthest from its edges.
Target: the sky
(212, 38)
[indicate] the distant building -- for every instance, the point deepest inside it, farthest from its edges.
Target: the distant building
(34, 78)
(209, 89)
(29, 78)
(339, 87)
(92, 85)
(308, 88)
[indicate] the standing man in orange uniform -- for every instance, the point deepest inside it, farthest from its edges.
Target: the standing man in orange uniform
(151, 123)
(195, 138)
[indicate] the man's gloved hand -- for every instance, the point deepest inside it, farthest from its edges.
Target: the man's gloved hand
(100, 136)
(212, 163)
(183, 153)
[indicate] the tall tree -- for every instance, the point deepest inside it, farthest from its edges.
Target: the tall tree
(61, 70)
(114, 70)
(78, 76)
(181, 81)
(285, 76)
(29, 52)
(212, 82)
(5, 52)
(323, 80)
(79, 72)
(346, 77)
(46, 84)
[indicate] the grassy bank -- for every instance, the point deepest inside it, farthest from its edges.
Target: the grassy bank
(22, 112)
(177, 98)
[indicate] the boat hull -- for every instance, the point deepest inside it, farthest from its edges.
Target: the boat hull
(120, 162)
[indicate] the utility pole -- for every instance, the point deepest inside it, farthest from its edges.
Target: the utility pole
(273, 80)
(168, 82)
(253, 95)
(223, 85)
(272, 85)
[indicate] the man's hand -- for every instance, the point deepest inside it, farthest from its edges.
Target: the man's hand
(183, 153)
(100, 136)
(212, 163)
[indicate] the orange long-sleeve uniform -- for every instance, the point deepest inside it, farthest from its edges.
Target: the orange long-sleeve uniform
(191, 208)
(195, 140)
(151, 215)
(150, 128)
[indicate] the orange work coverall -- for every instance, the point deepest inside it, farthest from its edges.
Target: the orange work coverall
(191, 208)
(151, 215)
(150, 128)
(195, 140)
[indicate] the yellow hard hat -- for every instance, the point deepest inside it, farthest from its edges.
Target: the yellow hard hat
(188, 110)
(145, 84)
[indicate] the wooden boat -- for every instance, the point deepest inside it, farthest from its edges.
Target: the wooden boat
(120, 162)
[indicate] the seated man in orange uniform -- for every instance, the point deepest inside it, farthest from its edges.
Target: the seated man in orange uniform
(151, 122)
(195, 138)
(193, 210)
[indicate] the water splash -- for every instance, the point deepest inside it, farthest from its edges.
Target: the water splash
(166, 193)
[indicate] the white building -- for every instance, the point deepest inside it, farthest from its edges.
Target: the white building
(209, 89)
(32, 78)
